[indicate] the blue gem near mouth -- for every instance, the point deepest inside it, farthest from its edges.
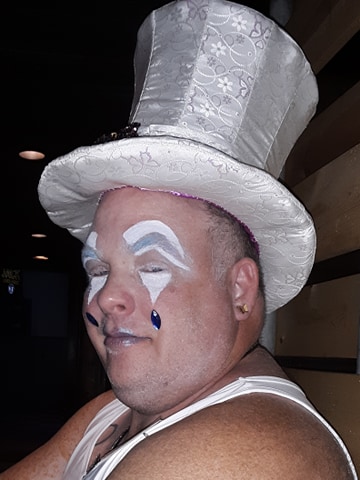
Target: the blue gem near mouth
(92, 319)
(155, 319)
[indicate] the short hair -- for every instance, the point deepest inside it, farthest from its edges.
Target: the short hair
(231, 241)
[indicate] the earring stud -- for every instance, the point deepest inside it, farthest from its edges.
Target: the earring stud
(243, 308)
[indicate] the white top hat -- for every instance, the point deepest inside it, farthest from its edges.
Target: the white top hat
(221, 96)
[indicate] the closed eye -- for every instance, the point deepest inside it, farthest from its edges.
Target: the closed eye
(153, 268)
(98, 273)
(95, 269)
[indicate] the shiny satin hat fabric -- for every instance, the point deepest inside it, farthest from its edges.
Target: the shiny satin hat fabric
(221, 95)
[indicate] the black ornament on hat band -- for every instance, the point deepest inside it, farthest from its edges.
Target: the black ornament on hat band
(128, 132)
(221, 159)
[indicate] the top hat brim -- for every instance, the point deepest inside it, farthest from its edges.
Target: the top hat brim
(70, 188)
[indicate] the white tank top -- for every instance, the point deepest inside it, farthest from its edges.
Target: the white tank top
(78, 462)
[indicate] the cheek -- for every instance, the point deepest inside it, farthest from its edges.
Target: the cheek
(96, 284)
(89, 294)
(155, 283)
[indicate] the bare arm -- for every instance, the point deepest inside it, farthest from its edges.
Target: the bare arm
(258, 439)
(49, 461)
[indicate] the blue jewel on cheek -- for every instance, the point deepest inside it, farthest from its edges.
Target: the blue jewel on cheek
(155, 319)
(92, 319)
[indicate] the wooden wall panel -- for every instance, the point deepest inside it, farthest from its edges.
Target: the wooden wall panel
(319, 329)
(322, 321)
(337, 397)
(329, 134)
(322, 27)
(332, 195)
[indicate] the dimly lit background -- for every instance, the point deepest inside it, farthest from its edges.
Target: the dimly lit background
(66, 79)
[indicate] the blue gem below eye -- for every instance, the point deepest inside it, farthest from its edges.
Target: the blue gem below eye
(155, 319)
(91, 319)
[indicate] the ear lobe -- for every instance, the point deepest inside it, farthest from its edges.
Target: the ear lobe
(245, 285)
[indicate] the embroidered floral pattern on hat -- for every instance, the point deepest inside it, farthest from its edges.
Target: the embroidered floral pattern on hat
(221, 95)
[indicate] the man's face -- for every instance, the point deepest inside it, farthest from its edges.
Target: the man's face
(149, 251)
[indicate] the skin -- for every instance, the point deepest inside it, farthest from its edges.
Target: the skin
(150, 363)
(201, 346)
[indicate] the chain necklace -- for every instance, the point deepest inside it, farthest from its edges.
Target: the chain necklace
(114, 445)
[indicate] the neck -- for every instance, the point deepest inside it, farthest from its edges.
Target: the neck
(256, 361)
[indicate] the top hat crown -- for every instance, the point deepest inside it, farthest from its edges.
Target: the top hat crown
(221, 95)
(226, 76)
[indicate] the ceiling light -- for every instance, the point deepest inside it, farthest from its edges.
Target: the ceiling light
(38, 235)
(31, 155)
(40, 257)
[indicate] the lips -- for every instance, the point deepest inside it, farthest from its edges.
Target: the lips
(118, 340)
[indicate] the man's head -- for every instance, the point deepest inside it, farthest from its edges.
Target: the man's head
(221, 95)
(150, 251)
(231, 240)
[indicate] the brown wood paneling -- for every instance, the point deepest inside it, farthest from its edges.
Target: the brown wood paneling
(335, 267)
(337, 397)
(332, 195)
(322, 321)
(330, 134)
(322, 27)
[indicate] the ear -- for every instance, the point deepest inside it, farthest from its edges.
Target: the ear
(245, 287)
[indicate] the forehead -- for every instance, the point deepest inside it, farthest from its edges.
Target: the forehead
(130, 205)
(145, 220)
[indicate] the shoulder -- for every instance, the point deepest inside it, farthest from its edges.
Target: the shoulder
(49, 461)
(256, 436)
(73, 430)
(81, 419)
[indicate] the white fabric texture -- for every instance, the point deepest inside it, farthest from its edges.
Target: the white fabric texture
(222, 94)
(243, 386)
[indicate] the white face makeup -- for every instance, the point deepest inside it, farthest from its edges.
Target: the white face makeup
(155, 235)
(89, 253)
(141, 238)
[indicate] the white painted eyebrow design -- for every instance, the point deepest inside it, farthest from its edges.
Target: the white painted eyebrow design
(88, 251)
(155, 235)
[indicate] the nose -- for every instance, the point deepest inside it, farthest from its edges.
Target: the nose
(115, 297)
